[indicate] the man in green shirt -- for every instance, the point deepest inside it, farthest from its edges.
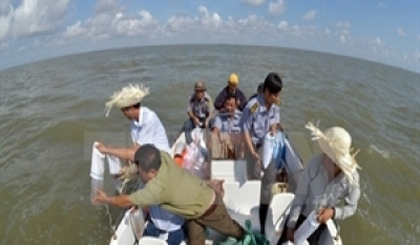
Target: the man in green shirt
(179, 192)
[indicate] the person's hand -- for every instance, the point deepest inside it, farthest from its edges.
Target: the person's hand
(196, 121)
(102, 148)
(325, 214)
(100, 197)
(256, 157)
(290, 234)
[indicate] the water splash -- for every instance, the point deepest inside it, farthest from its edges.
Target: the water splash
(373, 148)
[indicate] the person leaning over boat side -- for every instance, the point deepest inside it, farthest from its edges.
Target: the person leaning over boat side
(177, 191)
(146, 127)
(259, 115)
(199, 110)
(231, 88)
(328, 179)
(226, 130)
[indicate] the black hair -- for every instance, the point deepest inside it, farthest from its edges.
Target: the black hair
(260, 88)
(273, 83)
(230, 96)
(147, 157)
(136, 106)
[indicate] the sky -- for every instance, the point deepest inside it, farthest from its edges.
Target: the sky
(384, 31)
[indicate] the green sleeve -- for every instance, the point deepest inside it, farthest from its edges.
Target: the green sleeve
(152, 194)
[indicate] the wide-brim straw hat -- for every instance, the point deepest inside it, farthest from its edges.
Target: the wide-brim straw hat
(127, 96)
(336, 143)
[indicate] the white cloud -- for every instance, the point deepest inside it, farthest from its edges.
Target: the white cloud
(345, 32)
(283, 26)
(378, 42)
(401, 32)
(109, 23)
(75, 30)
(253, 2)
(342, 39)
(327, 31)
(310, 15)
(106, 5)
(276, 8)
(343, 25)
(5, 6)
(135, 25)
(418, 37)
(6, 16)
(38, 16)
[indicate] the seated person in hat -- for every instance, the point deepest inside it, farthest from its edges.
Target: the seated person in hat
(328, 179)
(146, 128)
(259, 115)
(178, 192)
(226, 139)
(231, 88)
(199, 110)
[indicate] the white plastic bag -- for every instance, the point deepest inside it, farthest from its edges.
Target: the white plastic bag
(306, 229)
(273, 149)
(267, 152)
(136, 220)
(194, 159)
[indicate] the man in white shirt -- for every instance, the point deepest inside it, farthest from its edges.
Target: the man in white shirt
(146, 128)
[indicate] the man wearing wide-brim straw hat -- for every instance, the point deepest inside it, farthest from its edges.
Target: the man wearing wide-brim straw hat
(328, 179)
(146, 128)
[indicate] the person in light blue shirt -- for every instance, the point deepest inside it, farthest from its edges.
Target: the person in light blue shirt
(259, 115)
(226, 138)
(228, 122)
(199, 110)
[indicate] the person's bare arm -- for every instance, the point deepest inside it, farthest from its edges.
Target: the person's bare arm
(127, 154)
(122, 201)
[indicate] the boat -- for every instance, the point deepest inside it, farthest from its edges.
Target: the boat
(239, 199)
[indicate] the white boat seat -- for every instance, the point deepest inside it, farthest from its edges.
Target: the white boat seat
(241, 198)
(146, 240)
(235, 170)
(278, 211)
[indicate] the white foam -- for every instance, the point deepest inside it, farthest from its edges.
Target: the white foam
(373, 148)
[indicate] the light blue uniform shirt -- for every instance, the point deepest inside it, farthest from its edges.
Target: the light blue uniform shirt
(256, 119)
(225, 124)
(150, 130)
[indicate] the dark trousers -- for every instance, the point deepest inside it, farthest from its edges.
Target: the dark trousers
(253, 168)
(312, 239)
(189, 125)
(174, 237)
(267, 181)
(217, 219)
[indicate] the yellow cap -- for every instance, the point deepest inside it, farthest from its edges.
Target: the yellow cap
(233, 78)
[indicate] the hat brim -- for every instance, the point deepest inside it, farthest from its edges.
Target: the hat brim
(345, 162)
